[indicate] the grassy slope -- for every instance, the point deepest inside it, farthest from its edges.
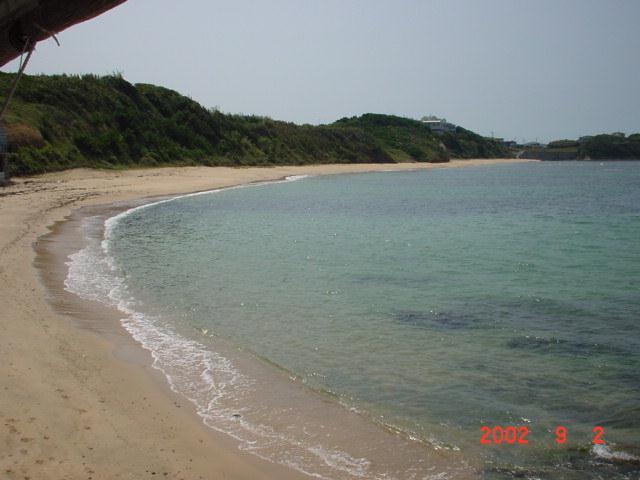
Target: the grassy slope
(58, 122)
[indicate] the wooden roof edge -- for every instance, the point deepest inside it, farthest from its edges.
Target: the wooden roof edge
(22, 20)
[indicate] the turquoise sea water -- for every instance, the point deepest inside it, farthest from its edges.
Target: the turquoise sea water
(435, 302)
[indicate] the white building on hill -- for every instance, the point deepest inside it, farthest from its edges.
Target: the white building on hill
(438, 125)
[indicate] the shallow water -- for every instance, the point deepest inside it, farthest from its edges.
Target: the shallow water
(434, 302)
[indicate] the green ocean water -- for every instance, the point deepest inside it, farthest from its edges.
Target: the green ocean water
(435, 301)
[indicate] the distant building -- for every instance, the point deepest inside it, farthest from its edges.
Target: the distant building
(510, 143)
(533, 145)
(438, 125)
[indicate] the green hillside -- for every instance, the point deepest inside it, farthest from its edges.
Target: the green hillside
(59, 122)
(405, 139)
(616, 146)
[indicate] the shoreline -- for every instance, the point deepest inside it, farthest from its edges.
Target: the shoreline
(76, 403)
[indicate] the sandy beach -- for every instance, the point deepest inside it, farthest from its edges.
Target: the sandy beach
(73, 403)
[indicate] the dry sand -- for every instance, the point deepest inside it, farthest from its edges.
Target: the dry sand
(70, 407)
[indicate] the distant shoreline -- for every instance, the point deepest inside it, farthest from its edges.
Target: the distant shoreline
(561, 156)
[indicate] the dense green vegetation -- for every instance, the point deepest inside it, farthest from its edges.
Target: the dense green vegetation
(59, 122)
(563, 144)
(616, 146)
(402, 139)
(405, 139)
(468, 144)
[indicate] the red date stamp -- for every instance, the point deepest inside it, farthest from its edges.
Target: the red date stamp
(517, 435)
(499, 435)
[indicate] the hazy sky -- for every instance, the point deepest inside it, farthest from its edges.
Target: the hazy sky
(530, 69)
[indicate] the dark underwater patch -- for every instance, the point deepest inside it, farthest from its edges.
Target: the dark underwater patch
(572, 463)
(531, 342)
(393, 280)
(563, 346)
(435, 320)
(629, 419)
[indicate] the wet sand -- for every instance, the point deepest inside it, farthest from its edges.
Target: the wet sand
(78, 398)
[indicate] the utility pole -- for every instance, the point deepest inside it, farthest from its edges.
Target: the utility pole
(4, 175)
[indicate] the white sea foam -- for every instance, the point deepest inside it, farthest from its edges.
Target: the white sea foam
(94, 276)
(201, 375)
(292, 178)
(342, 461)
(605, 452)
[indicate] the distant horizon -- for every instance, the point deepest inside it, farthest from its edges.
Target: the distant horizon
(513, 70)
